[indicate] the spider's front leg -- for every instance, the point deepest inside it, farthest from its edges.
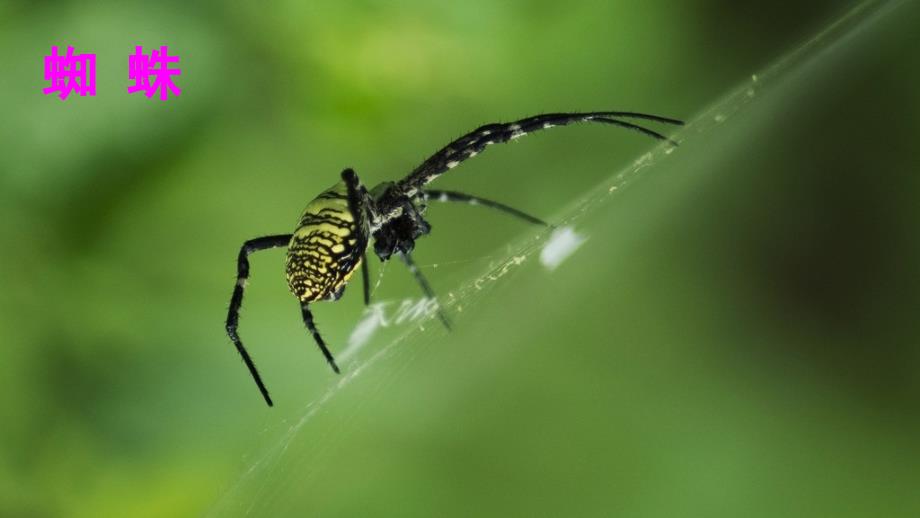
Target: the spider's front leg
(426, 288)
(453, 196)
(403, 224)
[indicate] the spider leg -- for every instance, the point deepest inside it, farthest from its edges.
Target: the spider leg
(365, 280)
(474, 142)
(361, 211)
(358, 204)
(308, 321)
(447, 196)
(236, 301)
(426, 288)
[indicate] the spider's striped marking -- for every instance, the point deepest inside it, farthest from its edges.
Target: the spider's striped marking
(326, 248)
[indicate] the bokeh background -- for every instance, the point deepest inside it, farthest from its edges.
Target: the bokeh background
(738, 337)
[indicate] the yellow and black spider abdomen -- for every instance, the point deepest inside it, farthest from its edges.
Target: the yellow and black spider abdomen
(326, 248)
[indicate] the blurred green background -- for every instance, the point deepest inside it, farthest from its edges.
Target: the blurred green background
(738, 337)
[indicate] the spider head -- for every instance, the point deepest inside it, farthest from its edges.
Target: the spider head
(399, 232)
(399, 235)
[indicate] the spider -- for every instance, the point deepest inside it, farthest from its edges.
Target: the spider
(331, 239)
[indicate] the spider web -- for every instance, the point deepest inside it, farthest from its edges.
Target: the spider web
(291, 458)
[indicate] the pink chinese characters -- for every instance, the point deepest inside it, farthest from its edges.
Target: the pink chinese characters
(70, 73)
(151, 73)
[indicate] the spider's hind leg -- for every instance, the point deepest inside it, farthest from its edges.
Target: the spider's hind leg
(236, 300)
(362, 209)
(365, 280)
(308, 321)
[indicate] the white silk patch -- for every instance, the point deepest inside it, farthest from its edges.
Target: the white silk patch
(561, 244)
